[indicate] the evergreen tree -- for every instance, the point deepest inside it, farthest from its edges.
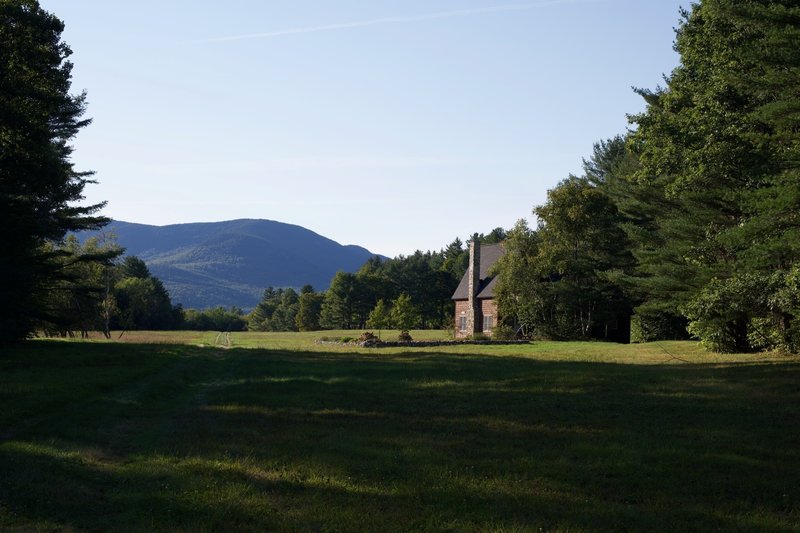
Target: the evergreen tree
(455, 259)
(216, 319)
(343, 299)
(133, 267)
(277, 311)
(80, 297)
(719, 144)
(309, 310)
(141, 300)
(640, 205)
(284, 317)
(39, 186)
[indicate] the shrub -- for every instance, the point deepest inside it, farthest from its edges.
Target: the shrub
(367, 336)
(479, 337)
(404, 336)
(721, 313)
(368, 339)
(504, 332)
(762, 334)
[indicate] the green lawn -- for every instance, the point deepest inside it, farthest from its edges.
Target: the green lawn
(280, 433)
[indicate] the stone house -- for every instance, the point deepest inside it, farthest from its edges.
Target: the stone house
(476, 307)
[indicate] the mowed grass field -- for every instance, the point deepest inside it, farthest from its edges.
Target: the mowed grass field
(178, 432)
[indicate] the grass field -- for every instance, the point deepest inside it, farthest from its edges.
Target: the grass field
(159, 432)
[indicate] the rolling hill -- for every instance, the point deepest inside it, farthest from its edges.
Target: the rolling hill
(231, 263)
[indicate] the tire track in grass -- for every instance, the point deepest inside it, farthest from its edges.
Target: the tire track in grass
(192, 411)
(115, 417)
(168, 399)
(45, 422)
(178, 399)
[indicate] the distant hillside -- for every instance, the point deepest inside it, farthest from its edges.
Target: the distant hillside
(231, 263)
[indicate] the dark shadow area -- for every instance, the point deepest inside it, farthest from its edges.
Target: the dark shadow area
(177, 437)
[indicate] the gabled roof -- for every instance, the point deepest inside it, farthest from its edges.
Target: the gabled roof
(490, 253)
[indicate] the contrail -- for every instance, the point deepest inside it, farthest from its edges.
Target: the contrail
(395, 20)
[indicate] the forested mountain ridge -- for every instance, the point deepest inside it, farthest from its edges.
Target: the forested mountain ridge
(230, 263)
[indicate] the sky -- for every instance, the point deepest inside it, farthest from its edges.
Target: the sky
(393, 125)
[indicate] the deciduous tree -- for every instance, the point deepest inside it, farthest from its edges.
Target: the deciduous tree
(379, 317)
(405, 315)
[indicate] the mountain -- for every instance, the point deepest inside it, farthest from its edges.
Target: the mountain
(231, 263)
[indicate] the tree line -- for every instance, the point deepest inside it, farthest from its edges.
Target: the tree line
(405, 292)
(112, 292)
(102, 295)
(692, 218)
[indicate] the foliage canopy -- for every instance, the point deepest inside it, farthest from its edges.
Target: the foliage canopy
(39, 186)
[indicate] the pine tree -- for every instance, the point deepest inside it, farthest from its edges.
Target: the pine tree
(39, 186)
(309, 310)
(720, 144)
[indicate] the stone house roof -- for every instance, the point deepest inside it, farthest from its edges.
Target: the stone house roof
(489, 254)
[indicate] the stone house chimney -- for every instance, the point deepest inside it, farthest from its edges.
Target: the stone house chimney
(474, 280)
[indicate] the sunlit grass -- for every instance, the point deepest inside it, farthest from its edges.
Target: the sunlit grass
(666, 352)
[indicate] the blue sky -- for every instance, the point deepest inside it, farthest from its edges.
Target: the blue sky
(395, 125)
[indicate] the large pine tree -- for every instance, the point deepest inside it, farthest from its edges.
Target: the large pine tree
(719, 145)
(39, 187)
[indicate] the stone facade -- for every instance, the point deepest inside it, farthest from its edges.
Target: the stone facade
(475, 306)
(462, 309)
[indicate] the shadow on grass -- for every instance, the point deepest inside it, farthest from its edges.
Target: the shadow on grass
(175, 437)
